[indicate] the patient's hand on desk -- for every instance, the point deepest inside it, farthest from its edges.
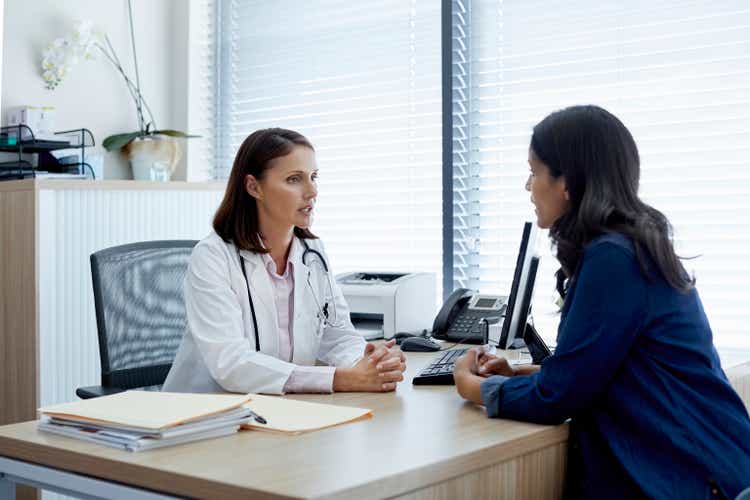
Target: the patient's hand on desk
(471, 369)
(489, 364)
(467, 378)
(379, 370)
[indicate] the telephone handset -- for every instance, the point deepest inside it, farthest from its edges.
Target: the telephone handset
(459, 318)
(447, 315)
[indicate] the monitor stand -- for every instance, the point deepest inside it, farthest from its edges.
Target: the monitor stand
(517, 344)
(537, 348)
(520, 343)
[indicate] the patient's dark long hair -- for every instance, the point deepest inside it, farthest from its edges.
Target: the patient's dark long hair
(599, 161)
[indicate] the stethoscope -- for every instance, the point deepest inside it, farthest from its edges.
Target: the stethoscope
(326, 309)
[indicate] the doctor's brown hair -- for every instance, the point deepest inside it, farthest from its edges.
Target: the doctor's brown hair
(236, 220)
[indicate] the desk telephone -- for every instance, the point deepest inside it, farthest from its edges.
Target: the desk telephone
(459, 318)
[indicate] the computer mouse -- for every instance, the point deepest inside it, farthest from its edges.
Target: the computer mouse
(401, 336)
(419, 344)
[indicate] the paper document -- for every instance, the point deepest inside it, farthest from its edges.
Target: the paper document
(236, 416)
(526, 360)
(40, 174)
(147, 409)
(293, 416)
(133, 443)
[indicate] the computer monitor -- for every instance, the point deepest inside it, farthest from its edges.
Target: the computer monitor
(519, 300)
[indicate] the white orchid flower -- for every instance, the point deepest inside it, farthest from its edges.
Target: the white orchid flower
(64, 53)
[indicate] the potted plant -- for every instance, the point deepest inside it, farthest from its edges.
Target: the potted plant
(153, 153)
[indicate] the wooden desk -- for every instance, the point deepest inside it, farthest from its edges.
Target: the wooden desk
(422, 442)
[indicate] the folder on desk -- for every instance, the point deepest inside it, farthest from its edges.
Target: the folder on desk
(141, 420)
(292, 416)
(148, 410)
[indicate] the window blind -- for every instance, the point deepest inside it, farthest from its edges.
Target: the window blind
(362, 82)
(203, 79)
(677, 73)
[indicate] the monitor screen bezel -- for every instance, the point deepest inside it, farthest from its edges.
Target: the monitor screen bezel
(513, 311)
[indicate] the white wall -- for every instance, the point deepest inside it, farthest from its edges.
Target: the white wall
(2, 6)
(94, 95)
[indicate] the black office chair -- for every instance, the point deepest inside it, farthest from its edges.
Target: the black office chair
(140, 313)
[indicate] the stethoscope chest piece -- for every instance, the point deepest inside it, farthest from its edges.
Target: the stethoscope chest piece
(325, 308)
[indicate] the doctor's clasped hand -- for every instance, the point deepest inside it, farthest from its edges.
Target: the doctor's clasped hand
(381, 368)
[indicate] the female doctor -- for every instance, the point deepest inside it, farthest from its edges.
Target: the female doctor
(262, 304)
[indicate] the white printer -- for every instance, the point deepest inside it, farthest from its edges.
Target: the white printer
(383, 304)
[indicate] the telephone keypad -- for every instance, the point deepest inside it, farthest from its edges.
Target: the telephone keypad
(466, 325)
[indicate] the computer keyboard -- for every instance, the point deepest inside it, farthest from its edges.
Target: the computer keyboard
(440, 369)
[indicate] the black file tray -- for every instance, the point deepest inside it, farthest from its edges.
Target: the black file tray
(20, 139)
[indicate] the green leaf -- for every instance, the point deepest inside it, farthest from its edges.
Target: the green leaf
(173, 133)
(116, 142)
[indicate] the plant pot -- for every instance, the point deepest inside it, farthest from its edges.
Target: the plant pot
(153, 158)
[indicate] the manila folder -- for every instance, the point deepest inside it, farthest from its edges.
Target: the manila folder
(294, 416)
(147, 409)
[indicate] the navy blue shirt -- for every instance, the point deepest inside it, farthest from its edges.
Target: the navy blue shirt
(635, 368)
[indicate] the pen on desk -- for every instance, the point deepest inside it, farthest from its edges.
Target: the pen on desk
(258, 418)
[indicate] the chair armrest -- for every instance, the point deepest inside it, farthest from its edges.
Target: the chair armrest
(96, 391)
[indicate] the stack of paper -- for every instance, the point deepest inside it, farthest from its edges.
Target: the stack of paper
(141, 420)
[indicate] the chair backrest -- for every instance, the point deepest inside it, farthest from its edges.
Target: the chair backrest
(140, 309)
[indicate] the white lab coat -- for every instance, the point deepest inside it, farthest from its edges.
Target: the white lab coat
(218, 352)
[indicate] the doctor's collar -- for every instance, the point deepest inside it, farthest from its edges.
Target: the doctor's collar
(295, 252)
